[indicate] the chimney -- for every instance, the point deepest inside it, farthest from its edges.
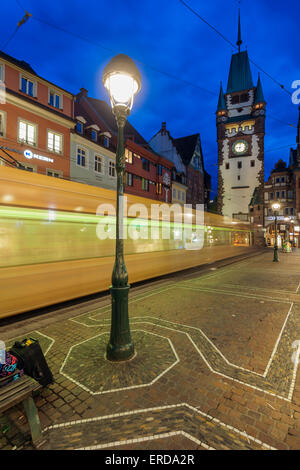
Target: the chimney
(83, 92)
(163, 128)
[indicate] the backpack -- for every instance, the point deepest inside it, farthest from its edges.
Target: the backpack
(9, 369)
(31, 358)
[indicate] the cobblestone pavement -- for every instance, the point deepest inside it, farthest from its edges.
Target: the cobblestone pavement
(215, 365)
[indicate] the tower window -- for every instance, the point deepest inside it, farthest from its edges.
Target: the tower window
(227, 166)
(252, 163)
(244, 98)
(239, 165)
(235, 99)
(238, 177)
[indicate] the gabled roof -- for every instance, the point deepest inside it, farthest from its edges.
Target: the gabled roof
(185, 146)
(221, 102)
(27, 67)
(20, 63)
(105, 112)
(240, 77)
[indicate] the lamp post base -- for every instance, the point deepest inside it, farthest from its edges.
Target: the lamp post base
(120, 346)
(275, 255)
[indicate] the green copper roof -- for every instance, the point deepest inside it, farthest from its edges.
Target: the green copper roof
(240, 77)
(259, 96)
(221, 102)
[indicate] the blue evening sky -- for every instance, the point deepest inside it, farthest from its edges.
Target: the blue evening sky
(165, 36)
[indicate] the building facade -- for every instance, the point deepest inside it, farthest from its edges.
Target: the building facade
(189, 173)
(148, 174)
(283, 187)
(93, 154)
(240, 136)
(36, 117)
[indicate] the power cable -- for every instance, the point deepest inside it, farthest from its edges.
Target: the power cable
(59, 28)
(20, 23)
(233, 45)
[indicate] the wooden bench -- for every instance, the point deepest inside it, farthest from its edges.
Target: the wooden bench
(18, 391)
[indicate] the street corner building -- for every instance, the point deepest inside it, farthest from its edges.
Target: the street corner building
(35, 120)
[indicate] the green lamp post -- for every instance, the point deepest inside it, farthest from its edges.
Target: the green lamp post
(122, 80)
(275, 207)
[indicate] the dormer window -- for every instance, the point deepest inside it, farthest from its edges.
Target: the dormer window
(55, 99)
(27, 86)
(106, 141)
(94, 135)
(79, 127)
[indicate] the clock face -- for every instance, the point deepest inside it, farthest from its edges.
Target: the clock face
(240, 147)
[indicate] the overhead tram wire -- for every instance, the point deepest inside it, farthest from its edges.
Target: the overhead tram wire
(233, 45)
(20, 23)
(59, 28)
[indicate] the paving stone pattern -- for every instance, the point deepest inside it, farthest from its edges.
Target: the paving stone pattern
(213, 366)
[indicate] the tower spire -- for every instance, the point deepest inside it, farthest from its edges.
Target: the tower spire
(239, 41)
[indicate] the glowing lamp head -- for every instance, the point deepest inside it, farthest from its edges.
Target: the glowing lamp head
(122, 79)
(276, 206)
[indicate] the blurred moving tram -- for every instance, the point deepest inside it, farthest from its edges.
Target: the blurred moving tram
(56, 245)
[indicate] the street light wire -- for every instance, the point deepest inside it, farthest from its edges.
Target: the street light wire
(20, 23)
(233, 45)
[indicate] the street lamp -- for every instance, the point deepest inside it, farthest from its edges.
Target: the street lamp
(275, 207)
(122, 80)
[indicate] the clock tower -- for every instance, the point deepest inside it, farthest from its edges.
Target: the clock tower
(240, 136)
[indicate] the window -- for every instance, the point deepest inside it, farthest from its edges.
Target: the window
(239, 165)
(283, 194)
(2, 72)
(129, 179)
(159, 170)
(27, 133)
(2, 123)
(94, 135)
(145, 184)
(292, 211)
(271, 195)
(98, 164)
(252, 163)
(227, 166)
(79, 127)
(55, 99)
(179, 195)
(54, 173)
(111, 169)
(238, 177)
(145, 164)
(277, 194)
(159, 189)
(128, 156)
(28, 86)
(244, 97)
(54, 142)
(277, 180)
(106, 141)
(290, 194)
(235, 99)
(174, 193)
(182, 195)
(81, 157)
(283, 179)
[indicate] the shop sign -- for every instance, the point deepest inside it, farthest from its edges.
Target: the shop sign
(29, 154)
